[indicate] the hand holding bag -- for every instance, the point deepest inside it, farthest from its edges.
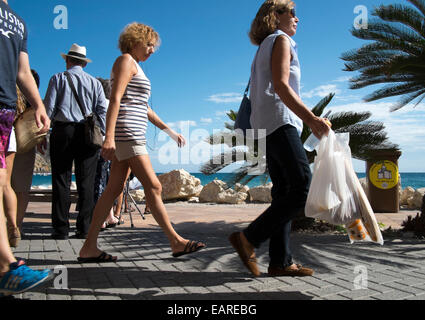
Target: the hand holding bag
(93, 133)
(26, 131)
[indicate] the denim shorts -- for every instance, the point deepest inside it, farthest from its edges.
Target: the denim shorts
(7, 117)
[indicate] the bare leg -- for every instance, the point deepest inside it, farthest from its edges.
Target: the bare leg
(120, 199)
(113, 189)
(22, 198)
(9, 196)
(119, 205)
(141, 166)
(6, 255)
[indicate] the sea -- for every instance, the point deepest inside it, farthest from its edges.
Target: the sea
(409, 179)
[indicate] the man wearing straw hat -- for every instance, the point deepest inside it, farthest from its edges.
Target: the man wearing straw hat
(67, 141)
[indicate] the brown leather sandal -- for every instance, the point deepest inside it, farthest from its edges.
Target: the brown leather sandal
(287, 272)
(250, 261)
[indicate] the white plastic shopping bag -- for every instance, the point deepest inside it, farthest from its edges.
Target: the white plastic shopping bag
(336, 194)
(332, 197)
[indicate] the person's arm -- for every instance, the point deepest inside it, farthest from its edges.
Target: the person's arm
(101, 107)
(123, 71)
(281, 62)
(28, 86)
(156, 121)
(50, 97)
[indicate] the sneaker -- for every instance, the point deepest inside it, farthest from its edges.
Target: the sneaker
(20, 278)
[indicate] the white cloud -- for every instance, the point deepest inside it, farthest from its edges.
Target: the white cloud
(179, 124)
(321, 91)
(221, 113)
(206, 120)
(342, 79)
(225, 98)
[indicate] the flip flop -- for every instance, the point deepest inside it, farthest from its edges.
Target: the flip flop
(191, 247)
(104, 257)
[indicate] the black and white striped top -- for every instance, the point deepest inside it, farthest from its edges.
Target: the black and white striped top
(132, 118)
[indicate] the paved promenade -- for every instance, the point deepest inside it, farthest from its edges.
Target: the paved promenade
(147, 271)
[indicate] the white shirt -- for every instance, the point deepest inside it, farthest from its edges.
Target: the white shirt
(268, 111)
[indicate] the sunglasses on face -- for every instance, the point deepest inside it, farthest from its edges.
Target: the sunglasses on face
(291, 11)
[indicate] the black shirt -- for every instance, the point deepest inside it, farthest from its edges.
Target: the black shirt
(13, 41)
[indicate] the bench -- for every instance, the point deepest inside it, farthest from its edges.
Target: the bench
(46, 196)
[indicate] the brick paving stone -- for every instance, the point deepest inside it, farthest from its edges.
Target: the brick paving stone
(393, 295)
(323, 292)
(269, 286)
(378, 287)
(336, 297)
(57, 297)
(401, 287)
(299, 287)
(417, 297)
(341, 283)
(358, 294)
(83, 297)
(146, 270)
(34, 296)
(382, 278)
(317, 283)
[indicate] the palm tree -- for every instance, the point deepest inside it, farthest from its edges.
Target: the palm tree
(365, 137)
(395, 57)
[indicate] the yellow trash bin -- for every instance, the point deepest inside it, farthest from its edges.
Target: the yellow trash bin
(383, 181)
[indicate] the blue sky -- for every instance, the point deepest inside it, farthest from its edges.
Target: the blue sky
(202, 67)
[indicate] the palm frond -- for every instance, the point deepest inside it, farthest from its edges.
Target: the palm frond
(221, 161)
(419, 4)
(392, 91)
(402, 14)
(395, 57)
(409, 98)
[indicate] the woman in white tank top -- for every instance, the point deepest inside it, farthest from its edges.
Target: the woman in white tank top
(125, 142)
(277, 108)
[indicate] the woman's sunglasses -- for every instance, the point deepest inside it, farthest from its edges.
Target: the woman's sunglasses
(291, 11)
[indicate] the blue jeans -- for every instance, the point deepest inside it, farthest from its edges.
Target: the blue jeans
(291, 176)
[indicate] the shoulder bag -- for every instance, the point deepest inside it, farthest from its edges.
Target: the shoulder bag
(244, 114)
(93, 133)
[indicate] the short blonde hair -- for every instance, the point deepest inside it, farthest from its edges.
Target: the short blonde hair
(266, 22)
(136, 33)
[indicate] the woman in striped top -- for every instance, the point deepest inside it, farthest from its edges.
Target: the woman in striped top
(125, 142)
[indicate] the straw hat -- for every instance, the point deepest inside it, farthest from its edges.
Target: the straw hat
(77, 52)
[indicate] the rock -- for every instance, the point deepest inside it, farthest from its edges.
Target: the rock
(416, 201)
(217, 192)
(240, 188)
(261, 194)
(193, 200)
(210, 192)
(406, 195)
(73, 186)
(179, 184)
(138, 195)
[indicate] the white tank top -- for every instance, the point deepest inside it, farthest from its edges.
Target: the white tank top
(132, 118)
(268, 111)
